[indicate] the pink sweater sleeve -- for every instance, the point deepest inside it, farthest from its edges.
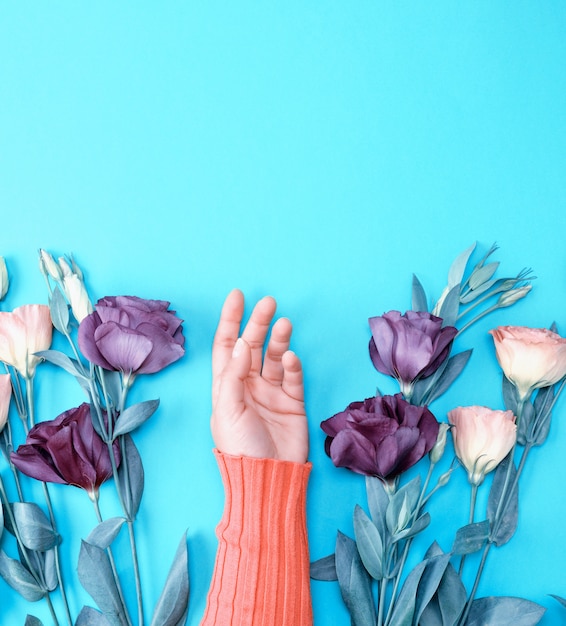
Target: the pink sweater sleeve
(261, 575)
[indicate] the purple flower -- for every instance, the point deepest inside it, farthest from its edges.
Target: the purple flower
(67, 450)
(381, 436)
(132, 335)
(409, 346)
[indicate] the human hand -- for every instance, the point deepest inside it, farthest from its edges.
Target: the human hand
(257, 401)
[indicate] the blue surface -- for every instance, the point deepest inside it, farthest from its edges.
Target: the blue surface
(320, 152)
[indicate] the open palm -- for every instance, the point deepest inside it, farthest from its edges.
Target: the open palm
(257, 400)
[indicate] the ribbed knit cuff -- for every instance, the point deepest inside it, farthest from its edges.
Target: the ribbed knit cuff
(261, 576)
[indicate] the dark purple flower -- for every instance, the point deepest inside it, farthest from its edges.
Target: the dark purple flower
(381, 436)
(409, 346)
(67, 450)
(132, 335)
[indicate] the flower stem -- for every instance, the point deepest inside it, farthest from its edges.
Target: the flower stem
(112, 563)
(473, 498)
(473, 592)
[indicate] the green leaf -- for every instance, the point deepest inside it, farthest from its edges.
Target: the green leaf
(134, 416)
(172, 606)
(131, 476)
(59, 311)
(324, 569)
(482, 274)
(507, 517)
(402, 505)
(378, 501)
(31, 620)
(63, 361)
(355, 582)
(105, 533)
(504, 611)
(450, 307)
(448, 602)
(471, 538)
(559, 599)
(370, 544)
(419, 302)
(420, 524)
(34, 528)
(91, 617)
(113, 384)
(19, 578)
(509, 395)
(458, 267)
(430, 581)
(50, 570)
(405, 605)
(1, 519)
(95, 573)
(453, 368)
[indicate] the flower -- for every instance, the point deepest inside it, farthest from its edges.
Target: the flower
(530, 357)
(409, 346)
(382, 436)
(5, 396)
(23, 332)
(482, 438)
(132, 335)
(67, 450)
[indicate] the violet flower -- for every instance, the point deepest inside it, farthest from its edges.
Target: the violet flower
(132, 335)
(381, 436)
(67, 450)
(409, 346)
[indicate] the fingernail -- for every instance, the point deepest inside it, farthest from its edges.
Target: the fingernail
(237, 347)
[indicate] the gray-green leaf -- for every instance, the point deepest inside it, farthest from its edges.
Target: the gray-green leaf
(419, 302)
(134, 416)
(34, 527)
(59, 311)
(18, 577)
(31, 620)
(370, 544)
(471, 538)
(355, 582)
(172, 606)
(131, 476)
(324, 569)
(95, 573)
(91, 617)
(105, 533)
(503, 520)
(504, 611)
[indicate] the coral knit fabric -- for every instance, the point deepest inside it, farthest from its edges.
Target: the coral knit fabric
(261, 575)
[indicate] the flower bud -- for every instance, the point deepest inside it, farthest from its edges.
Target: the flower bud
(77, 296)
(509, 298)
(438, 449)
(48, 266)
(65, 267)
(4, 282)
(443, 480)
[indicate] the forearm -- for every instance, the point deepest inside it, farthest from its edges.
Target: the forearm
(261, 575)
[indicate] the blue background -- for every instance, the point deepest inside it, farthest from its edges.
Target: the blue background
(320, 152)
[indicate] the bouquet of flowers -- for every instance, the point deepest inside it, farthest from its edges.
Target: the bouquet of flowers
(109, 344)
(383, 436)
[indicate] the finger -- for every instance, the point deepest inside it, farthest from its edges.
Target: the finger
(278, 344)
(292, 383)
(227, 331)
(230, 398)
(257, 328)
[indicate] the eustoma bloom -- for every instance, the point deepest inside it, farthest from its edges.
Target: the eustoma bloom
(132, 335)
(23, 332)
(67, 450)
(530, 357)
(409, 346)
(5, 396)
(382, 436)
(482, 438)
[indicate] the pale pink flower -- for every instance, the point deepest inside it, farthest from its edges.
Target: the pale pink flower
(24, 331)
(482, 438)
(5, 396)
(530, 357)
